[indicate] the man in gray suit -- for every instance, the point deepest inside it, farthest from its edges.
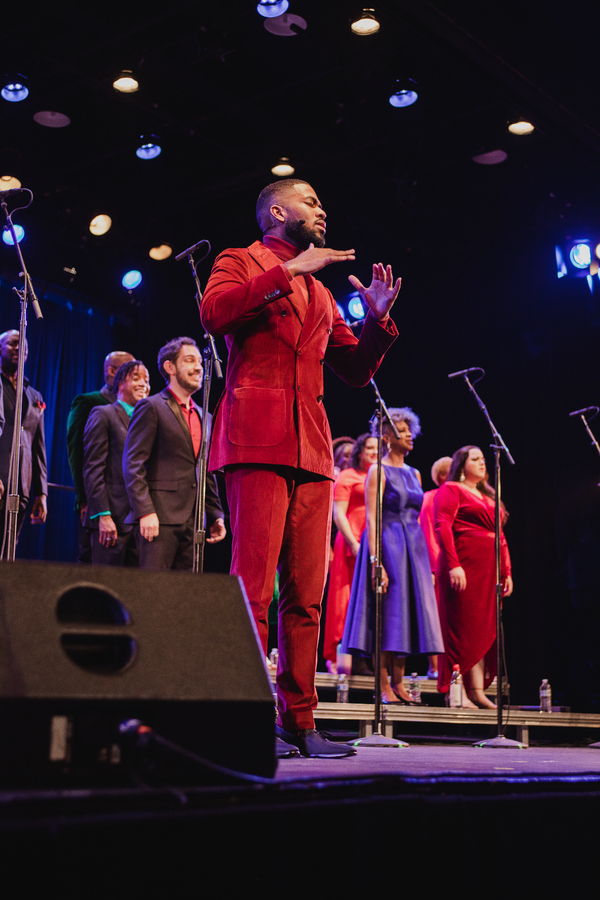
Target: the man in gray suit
(160, 464)
(104, 436)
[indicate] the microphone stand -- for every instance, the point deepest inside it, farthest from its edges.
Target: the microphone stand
(13, 499)
(497, 446)
(377, 739)
(211, 358)
(582, 412)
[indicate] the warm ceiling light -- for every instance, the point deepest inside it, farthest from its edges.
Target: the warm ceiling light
(163, 251)
(283, 169)
(100, 224)
(598, 251)
(14, 88)
(9, 183)
(271, 8)
(126, 83)
(490, 159)
(51, 119)
(520, 127)
(366, 24)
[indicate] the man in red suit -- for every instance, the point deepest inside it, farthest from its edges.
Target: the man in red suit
(271, 434)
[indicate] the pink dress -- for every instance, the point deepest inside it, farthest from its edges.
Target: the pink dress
(464, 526)
(350, 487)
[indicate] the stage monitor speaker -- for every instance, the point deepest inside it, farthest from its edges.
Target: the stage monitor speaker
(84, 648)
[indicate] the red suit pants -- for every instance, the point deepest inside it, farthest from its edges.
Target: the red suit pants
(280, 518)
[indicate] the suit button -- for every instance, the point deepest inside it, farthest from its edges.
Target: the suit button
(322, 361)
(320, 398)
(330, 330)
(283, 313)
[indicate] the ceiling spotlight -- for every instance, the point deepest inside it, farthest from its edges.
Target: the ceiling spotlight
(404, 98)
(366, 23)
(283, 169)
(131, 279)
(14, 88)
(51, 119)
(9, 183)
(100, 224)
(490, 159)
(162, 251)
(580, 255)
(126, 83)
(8, 238)
(272, 8)
(286, 25)
(149, 148)
(355, 307)
(520, 127)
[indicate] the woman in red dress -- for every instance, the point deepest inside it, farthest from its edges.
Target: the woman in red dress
(466, 575)
(349, 517)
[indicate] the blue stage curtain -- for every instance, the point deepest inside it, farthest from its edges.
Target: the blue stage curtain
(66, 353)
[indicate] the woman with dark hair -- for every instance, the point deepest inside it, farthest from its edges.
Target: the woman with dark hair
(410, 617)
(466, 574)
(349, 517)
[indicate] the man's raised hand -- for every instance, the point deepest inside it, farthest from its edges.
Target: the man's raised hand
(382, 292)
(316, 258)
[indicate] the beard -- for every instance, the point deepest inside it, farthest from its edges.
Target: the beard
(184, 381)
(301, 235)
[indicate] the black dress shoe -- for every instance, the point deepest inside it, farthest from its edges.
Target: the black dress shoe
(285, 751)
(314, 745)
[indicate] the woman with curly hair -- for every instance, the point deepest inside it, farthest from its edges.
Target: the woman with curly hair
(466, 574)
(410, 617)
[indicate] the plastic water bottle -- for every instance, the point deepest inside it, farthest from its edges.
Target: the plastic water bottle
(342, 689)
(413, 689)
(455, 697)
(545, 697)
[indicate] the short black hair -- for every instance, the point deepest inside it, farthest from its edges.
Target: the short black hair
(272, 191)
(123, 371)
(171, 351)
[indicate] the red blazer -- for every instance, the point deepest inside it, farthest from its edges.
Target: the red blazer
(272, 411)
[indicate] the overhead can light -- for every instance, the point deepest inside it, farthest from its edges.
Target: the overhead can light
(9, 183)
(521, 127)
(580, 255)
(100, 224)
(404, 98)
(272, 8)
(126, 83)
(366, 23)
(8, 238)
(283, 168)
(131, 279)
(51, 119)
(14, 88)
(149, 148)
(162, 251)
(492, 158)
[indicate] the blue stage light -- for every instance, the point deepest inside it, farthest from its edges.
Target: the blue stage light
(355, 307)
(272, 8)
(581, 255)
(131, 279)
(561, 266)
(14, 91)
(404, 98)
(149, 148)
(7, 236)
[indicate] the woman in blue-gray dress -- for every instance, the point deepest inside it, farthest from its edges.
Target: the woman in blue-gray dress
(410, 617)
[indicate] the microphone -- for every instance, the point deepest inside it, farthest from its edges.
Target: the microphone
(579, 412)
(464, 371)
(12, 191)
(191, 249)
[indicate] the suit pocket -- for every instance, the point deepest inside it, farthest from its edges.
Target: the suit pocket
(258, 417)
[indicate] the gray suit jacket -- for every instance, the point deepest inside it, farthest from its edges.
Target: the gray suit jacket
(103, 443)
(32, 461)
(159, 464)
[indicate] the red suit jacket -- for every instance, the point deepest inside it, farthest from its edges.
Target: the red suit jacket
(272, 411)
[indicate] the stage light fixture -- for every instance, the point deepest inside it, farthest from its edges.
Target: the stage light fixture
(492, 158)
(51, 119)
(161, 251)
(14, 88)
(272, 8)
(9, 183)
(149, 148)
(283, 168)
(521, 127)
(126, 83)
(100, 224)
(7, 236)
(407, 95)
(580, 255)
(366, 23)
(131, 279)
(355, 307)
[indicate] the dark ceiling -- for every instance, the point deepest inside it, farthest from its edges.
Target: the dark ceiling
(227, 98)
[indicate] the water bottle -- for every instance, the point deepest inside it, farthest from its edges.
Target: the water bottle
(342, 689)
(413, 689)
(545, 697)
(455, 695)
